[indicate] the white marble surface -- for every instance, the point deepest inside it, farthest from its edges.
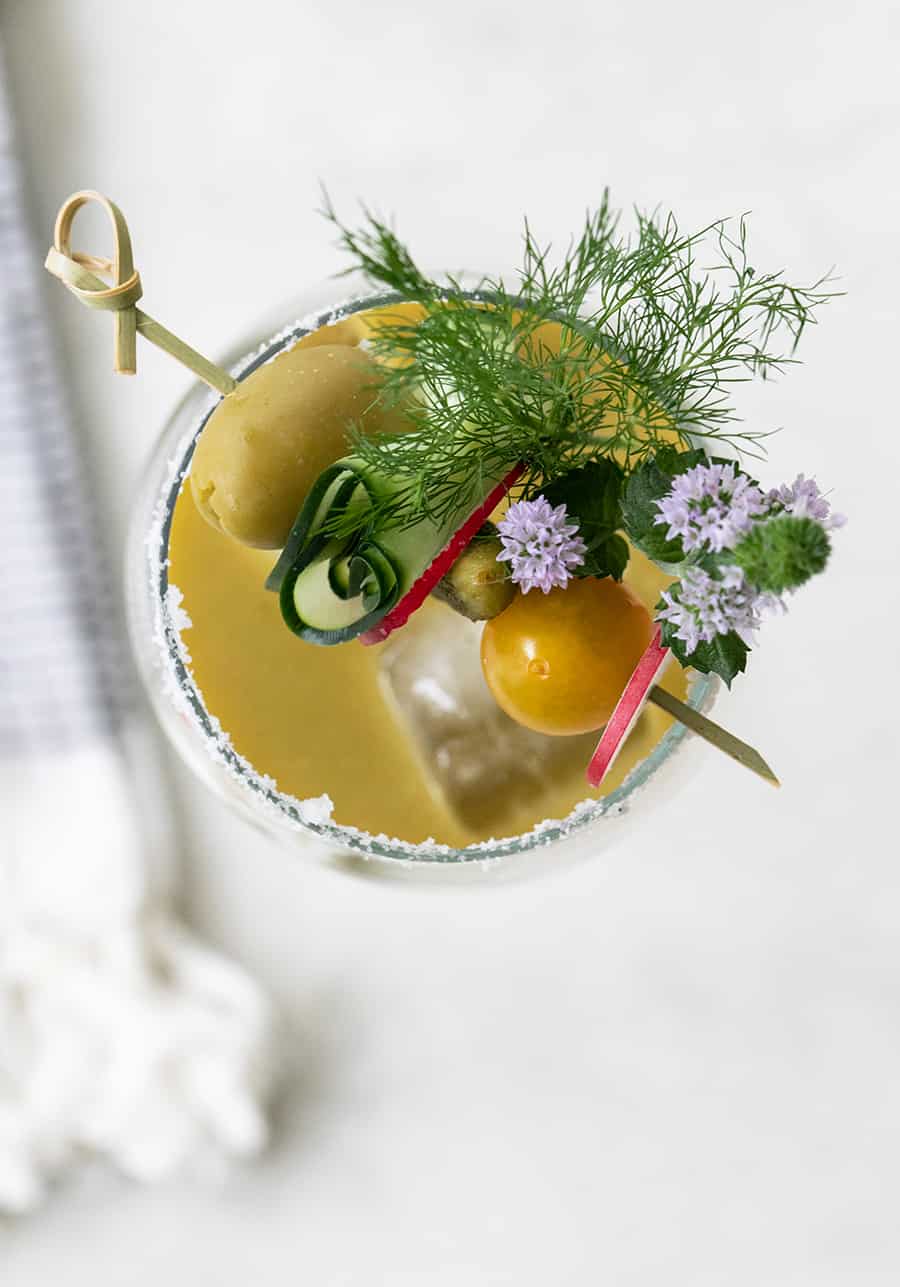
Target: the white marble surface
(678, 1063)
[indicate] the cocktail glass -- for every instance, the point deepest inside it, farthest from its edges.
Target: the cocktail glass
(154, 623)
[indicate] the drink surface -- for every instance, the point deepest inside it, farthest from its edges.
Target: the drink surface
(324, 721)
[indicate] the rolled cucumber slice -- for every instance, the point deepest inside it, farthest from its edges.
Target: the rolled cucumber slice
(333, 589)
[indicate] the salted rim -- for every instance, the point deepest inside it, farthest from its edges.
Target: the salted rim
(314, 816)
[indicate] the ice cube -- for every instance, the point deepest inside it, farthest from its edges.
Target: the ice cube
(481, 762)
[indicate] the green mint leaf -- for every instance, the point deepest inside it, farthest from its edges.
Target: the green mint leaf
(591, 495)
(725, 656)
(645, 486)
(783, 553)
(609, 557)
(675, 460)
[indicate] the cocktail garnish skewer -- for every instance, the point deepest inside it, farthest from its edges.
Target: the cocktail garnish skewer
(642, 688)
(713, 733)
(78, 273)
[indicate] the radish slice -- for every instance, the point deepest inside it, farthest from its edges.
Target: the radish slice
(420, 590)
(628, 708)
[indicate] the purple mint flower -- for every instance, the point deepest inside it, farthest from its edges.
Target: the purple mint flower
(701, 606)
(541, 547)
(710, 507)
(803, 499)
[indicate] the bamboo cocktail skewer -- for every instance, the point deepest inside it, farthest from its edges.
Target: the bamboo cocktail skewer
(713, 733)
(78, 273)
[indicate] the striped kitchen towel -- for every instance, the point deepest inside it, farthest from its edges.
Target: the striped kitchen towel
(119, 1033)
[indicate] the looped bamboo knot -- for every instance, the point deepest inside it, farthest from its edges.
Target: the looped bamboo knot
(77, 271)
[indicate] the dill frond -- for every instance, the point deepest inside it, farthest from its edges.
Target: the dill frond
(650, 347)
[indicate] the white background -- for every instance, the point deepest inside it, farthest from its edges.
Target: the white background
(678, 1063)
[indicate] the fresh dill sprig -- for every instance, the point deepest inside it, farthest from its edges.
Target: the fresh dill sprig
(649, 345)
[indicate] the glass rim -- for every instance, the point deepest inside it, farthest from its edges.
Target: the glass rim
(262, 790)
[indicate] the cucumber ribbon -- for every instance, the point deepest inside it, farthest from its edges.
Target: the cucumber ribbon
(334, 588)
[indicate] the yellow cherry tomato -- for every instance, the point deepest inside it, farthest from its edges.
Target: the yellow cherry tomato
(558, 662)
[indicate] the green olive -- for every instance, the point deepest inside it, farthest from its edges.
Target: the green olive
(477, 586)
(267, 442)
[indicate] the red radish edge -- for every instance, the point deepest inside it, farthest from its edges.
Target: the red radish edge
(419, 591)
(628, 708)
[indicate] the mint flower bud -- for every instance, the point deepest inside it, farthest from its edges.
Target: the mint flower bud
(803, 499)
(783, 553)
(700, 606)
(540, 546)
(710, 507)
